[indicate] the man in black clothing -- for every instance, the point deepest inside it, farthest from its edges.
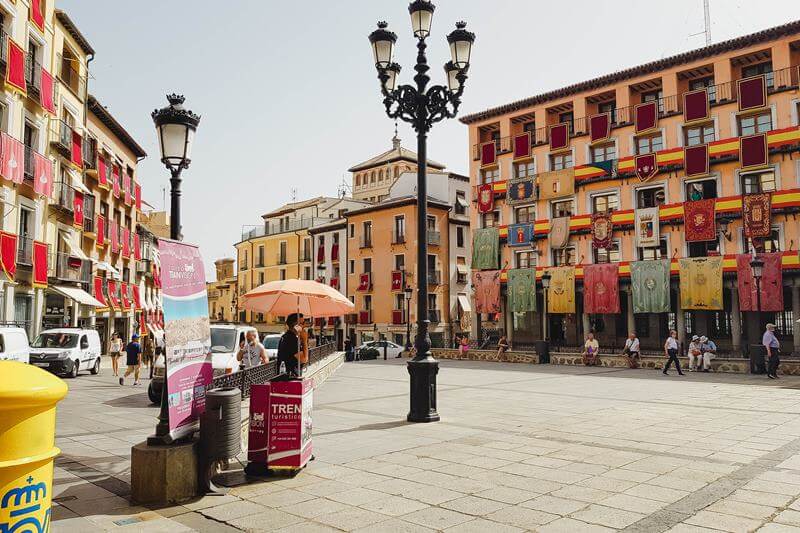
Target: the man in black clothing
(293, 342)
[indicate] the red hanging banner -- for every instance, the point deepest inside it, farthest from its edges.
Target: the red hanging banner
(757, 215)
(397, 280)
(699, 221)
(42, 175)
(8, 253)
(114, 236)
(646, 166)
(47, 97)
(488, 153)
(77, 150)
(485, 198)
(101, 231)
(522, 145)
(126, 188)
(12, 165)
(102, 172)
(15, 66)
(137, 248)
(364, 281)
(112, 294)
(559, 136)
(646, 116)
(137, 301)
(602, 230)
(695, 160)
(137, 194)
(752, 92)
(600, 127)
(695, 105)
(37, 15)
(601, 289)
(126, 242)
(125, 304)
(98, 291)
(753, 151)
(39, 262)
(771, 283)
(115, 180)
(77, 210)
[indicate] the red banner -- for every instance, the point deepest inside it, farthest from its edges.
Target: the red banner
(522, 145)
(486, 285)
(397, 280)
(115, 180)
(15, 68)
(39, 261)
(8, 253)
(77, 210)
(77, 150)
(137, 195)
(771, 283)
(137, 248)
(695, 105)
(600, 127)
(646, 116)
(126, 242)
(37, 15)
(752, 92)
(47, 97)
(335, 283)
(101, 231)
(290, 443)
(114, 236)
(646, 166)
(123, 291)
(601, 289)
(696, 160)
(137, 300)
(559, 136)
(699, 220)
(485, 198)
(98, 291)
(757, 215)
(397, 316)
(126, 188)
(112, 294)
(364, 281)
(42, 175)
(320, 253)
(488, 153)
(753, 151)
(102, 172)
(12, 165)
(602, 231)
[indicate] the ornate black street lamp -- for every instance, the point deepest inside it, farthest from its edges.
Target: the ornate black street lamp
(407, 293)
(176, 127)
(545, 288)
(422, 107)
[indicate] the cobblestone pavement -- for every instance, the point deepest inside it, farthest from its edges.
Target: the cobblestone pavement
(519, 447)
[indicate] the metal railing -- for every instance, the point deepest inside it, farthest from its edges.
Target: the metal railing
(88, 214)
(435, 315)
(276, 227)
(398, 237)
(90, 153)
(25, 250)
(62, 136)
(3, 50)
(434, 237)
(365, 242)
(64, 196)
(257, 375)
(29, 166)
(70, 268)
(434, 277)
(71, 77)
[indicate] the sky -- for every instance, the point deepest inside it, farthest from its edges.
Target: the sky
(290, 99)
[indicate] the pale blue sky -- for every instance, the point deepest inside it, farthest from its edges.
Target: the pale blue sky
(289, 95)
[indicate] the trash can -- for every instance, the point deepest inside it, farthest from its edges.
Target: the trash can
(543, 351)
(28, 398)
(758, 362)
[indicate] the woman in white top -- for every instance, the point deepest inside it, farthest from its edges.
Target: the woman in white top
(116, 351)
(671, 351)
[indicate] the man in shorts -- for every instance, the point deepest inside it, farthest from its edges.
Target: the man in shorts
(133, 354)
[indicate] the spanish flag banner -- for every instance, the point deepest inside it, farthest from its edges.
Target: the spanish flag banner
(561, 294)
(701, 283)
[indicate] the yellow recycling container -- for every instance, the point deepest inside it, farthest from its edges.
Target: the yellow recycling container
(28, 397)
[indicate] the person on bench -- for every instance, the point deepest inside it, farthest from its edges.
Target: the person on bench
(708, 350)
(694, 353)
(591, 351)
(631, 350)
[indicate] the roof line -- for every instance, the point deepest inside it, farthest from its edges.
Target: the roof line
(73, 30)
(646, 68)
(116, 128)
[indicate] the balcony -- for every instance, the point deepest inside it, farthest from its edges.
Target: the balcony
(434, 238)
(71, 77)
(143, 267)
(33, 76)
(90, 155)
(3, 51)
(74, 269)
(435, 315)
(88, 216)
(365, 317)
(243, 265)
(434, 277)
(398, 316)
(281, 259)
(61, 138)
(335, 283)
(64, 197)
(29, 166)
(365, 242)
(399, 237)
(277, 227)
(24, 250)
(335, 253)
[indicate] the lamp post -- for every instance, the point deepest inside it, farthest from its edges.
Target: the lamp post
(176, 127)
(757, 270)
(422, 107)
(545, 286)
(407, 293)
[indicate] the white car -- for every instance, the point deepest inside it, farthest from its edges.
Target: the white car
(270, 342)
(67, 351)
(14, 344)
(392, 349)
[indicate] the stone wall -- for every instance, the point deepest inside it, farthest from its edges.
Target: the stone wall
(718, 364)
(486, 355)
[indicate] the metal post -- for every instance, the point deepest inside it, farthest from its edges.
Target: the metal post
(175, 205)
(758, 302)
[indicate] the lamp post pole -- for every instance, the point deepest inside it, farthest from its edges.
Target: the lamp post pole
(175, 204)
(408, 292)
(422, 107)
(545, 286)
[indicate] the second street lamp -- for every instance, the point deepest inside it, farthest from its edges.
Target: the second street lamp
(422, 107)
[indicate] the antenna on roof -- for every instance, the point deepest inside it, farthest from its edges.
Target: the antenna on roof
(293, 194)
(706, 23)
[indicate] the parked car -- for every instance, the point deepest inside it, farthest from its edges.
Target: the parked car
(392, 349)
(66, 351)
(270, 342)
(14, 344)
(225, 340)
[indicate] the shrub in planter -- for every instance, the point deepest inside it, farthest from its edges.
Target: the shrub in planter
(368, 354)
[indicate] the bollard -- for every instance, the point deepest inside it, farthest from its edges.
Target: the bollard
(28, 397)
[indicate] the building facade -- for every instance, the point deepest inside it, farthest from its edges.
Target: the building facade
(329, 261)
(222, 293)
(687, 162)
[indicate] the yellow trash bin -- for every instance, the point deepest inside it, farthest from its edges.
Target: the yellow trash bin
(28, 397)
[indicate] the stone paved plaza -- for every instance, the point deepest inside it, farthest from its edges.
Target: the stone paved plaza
(519, 447)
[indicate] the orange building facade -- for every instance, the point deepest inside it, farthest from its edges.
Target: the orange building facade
(710, 127)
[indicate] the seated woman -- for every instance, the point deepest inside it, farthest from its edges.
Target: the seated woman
(502, 346)
(591, 351)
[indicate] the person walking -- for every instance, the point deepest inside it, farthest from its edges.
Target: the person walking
(251, 352)
(116, 350)
(631, 350)
(591, 350)
(133, 353)
(148, 353)
(671, 351)
(773, 347)
(694, 353)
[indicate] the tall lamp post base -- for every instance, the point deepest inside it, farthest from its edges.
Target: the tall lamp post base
(423, 390)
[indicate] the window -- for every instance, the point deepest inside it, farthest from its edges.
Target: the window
(605, 202)
(461, 269)
(352, 230)
(459, 236)
(649, 254)
(612, 255)
(283, 274)
(306, 249)
(563, 208)
(307, 272)
(755, 182)
(399, 301)
(694, 135)
(655, 96)
(430, 223)
(701, 189)
(569, 118)
(282, 253)
(525, 213)
(367, 302)
(564, 256)
(604, 152)
(752, 124)
(561, 161)
(704, 248)
(399, 229)
(491, 219)
(705, 83)
(489, 175)
(531, 128)
(461, 203)
(650, 197)
(367, 262)
(525, 259)
(260, 261)
(720, 324)
(351, 267)
(525, 169)
(367, 231)
(649, 144)
(764, 244)
(400, 262)
(608, 107)
(260, 278)
(432, 302)
(784, 321)
(762, 68)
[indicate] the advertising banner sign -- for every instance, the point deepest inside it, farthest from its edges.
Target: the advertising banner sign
(187, 334)
(290, 424)
(258, 435)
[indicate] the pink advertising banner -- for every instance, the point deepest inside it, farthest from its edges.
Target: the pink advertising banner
(290, 406)
(187, 334)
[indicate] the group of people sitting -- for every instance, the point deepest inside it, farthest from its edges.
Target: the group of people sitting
(700, 352)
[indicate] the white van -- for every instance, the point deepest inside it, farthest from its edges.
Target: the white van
(14, 344)
(67, 351)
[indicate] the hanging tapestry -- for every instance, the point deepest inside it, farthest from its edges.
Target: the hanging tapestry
(39, 264)
(601, 289)
(521, 190)
(522, 145)
(485, 198)
(48, 92)
(520, 234)
(752, 92)
(695, 160)
(753, 151)
(602, 230)
(8, 253)
(97, 292)
(561, 294)
(16, 59)
(556, 184)
(646, 166)
(648, 234)
(600, 127)
(646, 116)
(650, 285)
(12, 164)
(701, 283)
(559, 233)
(486, 285)
(757, 214)
(521, 288)
(485, 249)
(77, 210)
(100, 230)
(605, 168)
(770, 286)
(699, 220)
(695, 105)
(42, 175)
(488, 153)
(397, 280)
(559, 136)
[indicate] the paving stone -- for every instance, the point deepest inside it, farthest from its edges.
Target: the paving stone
(585, 494)
(394, 505)
(307, 527)
(266, 520)
(437, 518)
(473, 505)
(633, 503)
(352, 518)
(314, 507)
(661, 494)
(282, 498)
(230, 511)
(507, 495)
(734, 524)
(761, 498)
(747, 510)
(210, 501)
(480, 525)
(553, 504)
(193, 521)
(357, 496)
(570, 525)
(521, 517)
(393, 525)
(789, 516)
(778, 528)
(607, 516)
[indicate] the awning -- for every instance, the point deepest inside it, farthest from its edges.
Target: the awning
(462, 269)
(77, 182)
(78, 295)
(103, 265)
(74, 248)
(463, 302)
(462, 201)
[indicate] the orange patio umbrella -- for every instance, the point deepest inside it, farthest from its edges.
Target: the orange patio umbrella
(284, 297)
